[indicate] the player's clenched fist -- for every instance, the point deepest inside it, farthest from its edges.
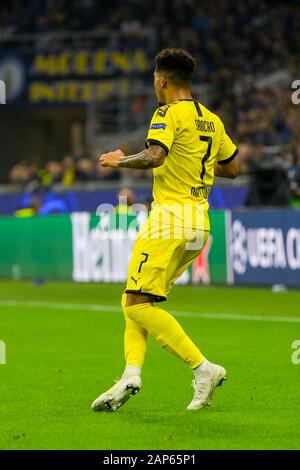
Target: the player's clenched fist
(111, 159)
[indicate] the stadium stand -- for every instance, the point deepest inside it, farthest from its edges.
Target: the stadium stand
(249, 79)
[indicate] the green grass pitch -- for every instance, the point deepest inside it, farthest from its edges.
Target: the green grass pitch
(64, 346)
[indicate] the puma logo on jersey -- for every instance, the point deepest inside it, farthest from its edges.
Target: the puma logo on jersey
(135, 280)
(162, 111)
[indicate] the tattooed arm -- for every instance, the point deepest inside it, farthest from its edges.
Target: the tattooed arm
(152, 157)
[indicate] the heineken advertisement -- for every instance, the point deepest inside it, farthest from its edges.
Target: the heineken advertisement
(85, 247)
(101, 253)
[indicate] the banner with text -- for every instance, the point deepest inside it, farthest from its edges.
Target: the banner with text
(101, 253)
(70, 76)
(265, 247)
(84, 247)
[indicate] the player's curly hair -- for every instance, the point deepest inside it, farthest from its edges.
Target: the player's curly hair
(177, 64)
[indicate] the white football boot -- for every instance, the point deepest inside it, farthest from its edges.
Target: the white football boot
(204, 385)
(118, 394)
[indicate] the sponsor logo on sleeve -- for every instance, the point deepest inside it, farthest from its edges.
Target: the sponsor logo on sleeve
(158, 126)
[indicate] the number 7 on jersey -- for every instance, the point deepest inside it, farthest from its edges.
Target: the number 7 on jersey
(207, 139)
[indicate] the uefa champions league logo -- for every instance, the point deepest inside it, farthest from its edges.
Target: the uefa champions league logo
(2, 352)
(2, 92)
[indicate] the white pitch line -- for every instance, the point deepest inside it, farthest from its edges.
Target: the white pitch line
(59, 306)
(176, 313)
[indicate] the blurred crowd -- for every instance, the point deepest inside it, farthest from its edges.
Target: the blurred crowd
(34, 176)
(231, 38)
(248, 53)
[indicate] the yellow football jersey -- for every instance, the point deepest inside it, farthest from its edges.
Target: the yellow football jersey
(194, 139)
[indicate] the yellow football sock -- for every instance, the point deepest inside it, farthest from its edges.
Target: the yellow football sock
(165, 329)
(135, 340)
